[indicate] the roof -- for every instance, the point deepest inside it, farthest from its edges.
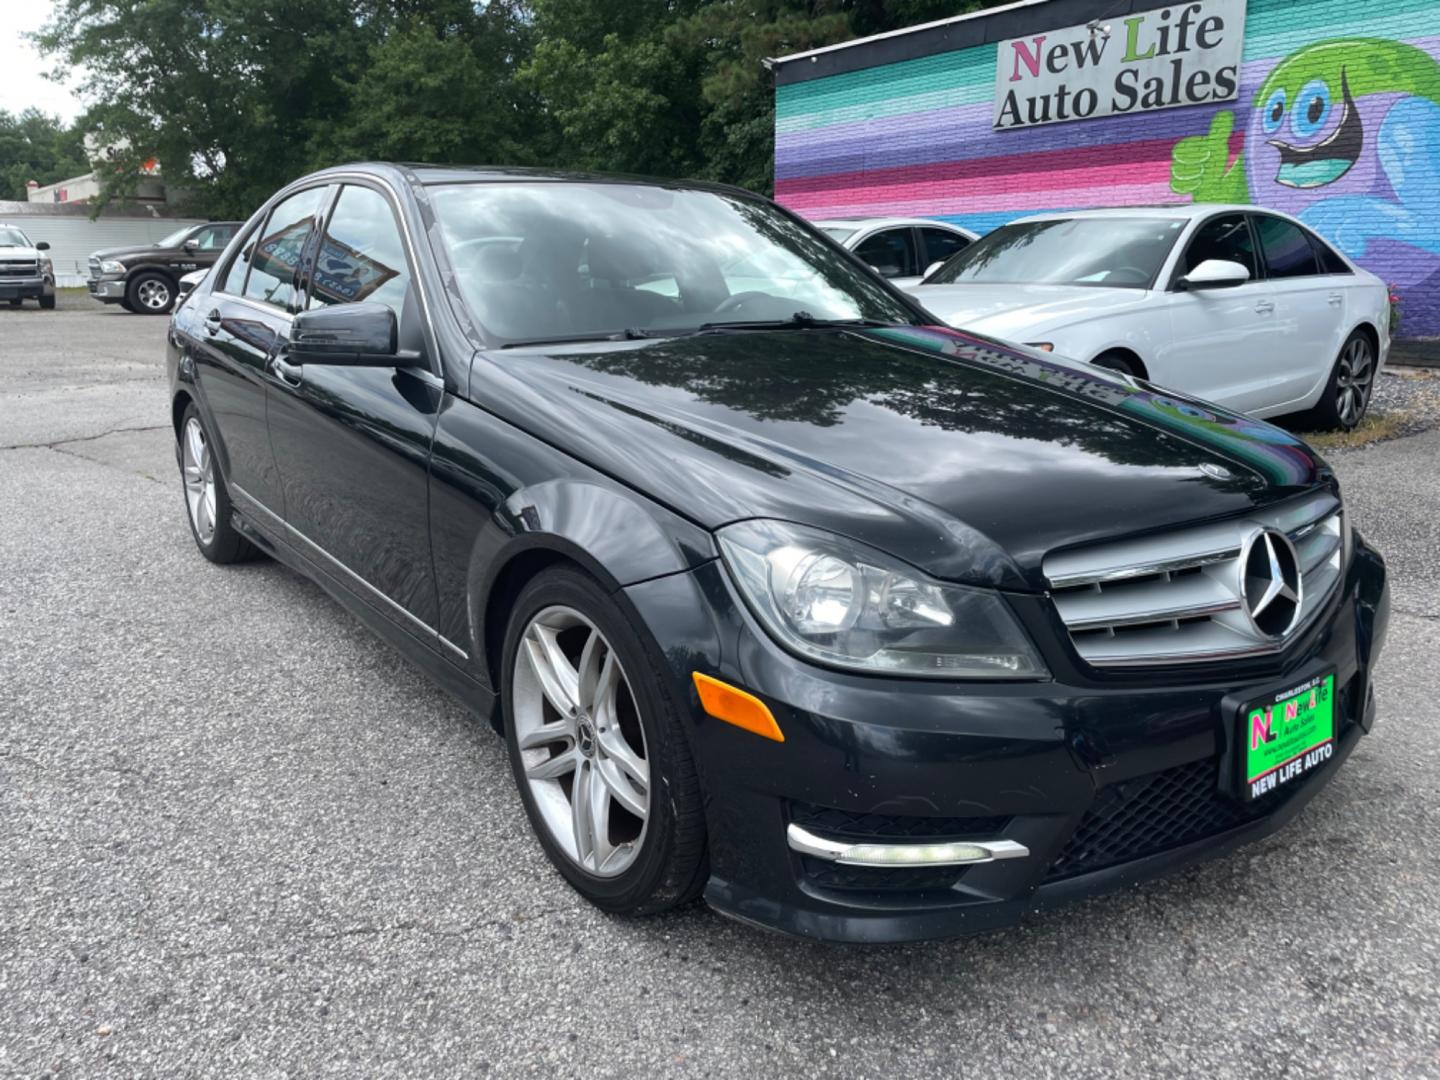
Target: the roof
(1020, 18)
(1181, 211)
(428, 173)
(885, 222)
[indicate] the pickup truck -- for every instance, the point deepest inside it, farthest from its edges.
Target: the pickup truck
(25, 269)
(146, 279)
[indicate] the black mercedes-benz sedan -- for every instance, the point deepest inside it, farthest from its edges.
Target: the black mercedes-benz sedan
(866, 629)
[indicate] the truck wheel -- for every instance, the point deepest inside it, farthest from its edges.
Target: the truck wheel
(48, 302)
(150, 294)
(16, 302)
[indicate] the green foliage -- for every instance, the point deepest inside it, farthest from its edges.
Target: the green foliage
(34, 146)
(236, 97)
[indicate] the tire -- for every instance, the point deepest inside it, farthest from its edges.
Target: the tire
(1115, 361)
(207, 503)
(631, 865)
(16, 302)
(1346, 396)
(150, 293)
(128, 306)
(47, 303)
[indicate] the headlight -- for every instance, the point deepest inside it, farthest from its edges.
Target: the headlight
(112, 266)
(841, 603)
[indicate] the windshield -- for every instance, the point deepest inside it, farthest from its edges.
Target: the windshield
(1108, 252)
(540, 261)
(12, 238)
(175, 238)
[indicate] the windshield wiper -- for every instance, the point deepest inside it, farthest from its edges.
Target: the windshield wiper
(630, 333)
(801, 320)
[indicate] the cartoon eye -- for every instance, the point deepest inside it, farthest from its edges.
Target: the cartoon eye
(1312, 109)
(1274, 112)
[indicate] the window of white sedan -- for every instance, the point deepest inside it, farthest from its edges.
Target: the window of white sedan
(1106, 252)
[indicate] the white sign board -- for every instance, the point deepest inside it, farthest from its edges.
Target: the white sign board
(1188, 54)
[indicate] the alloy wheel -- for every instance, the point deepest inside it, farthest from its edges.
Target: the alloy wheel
(1353, 381)
(198, 470)
(153, 294)
(581, 742)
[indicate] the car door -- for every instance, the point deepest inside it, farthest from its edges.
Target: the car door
(892, 253)
(1220, 341)
(352, 444)
(245, 321)
(1309, 308)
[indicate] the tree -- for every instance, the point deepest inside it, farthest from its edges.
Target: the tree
(34, 146)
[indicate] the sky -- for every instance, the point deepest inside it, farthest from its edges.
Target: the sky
(23, 83)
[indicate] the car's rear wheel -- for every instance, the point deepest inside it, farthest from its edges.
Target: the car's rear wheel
(207, 502)
(1347, 392)
(150, 294)
(595, 743)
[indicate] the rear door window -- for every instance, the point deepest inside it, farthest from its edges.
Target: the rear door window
(940, 244)
(1227, 238)
(283, 246)
(1330, 261)
(891, 252)
(1286, 247)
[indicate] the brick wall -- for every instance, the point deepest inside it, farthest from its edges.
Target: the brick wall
(915, 138)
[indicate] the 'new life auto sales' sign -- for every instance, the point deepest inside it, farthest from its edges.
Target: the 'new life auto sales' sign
(1188, 54)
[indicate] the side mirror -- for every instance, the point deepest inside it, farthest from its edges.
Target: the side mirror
(191, 245)
(1216, 274)
(43, 245)
(352, 335)
(933, 267)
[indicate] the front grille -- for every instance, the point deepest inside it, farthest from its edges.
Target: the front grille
(1180, 597)
(94, 266)
(1152, 814)
(849, 825)
(19, 267)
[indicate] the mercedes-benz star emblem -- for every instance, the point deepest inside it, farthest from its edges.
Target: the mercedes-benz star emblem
(1270, 571)
(585, 736)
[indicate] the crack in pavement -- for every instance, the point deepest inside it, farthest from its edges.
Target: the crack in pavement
(56, 444)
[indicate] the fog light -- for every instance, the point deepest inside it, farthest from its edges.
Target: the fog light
(868, 853)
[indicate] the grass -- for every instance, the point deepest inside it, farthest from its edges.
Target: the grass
(1376, 427)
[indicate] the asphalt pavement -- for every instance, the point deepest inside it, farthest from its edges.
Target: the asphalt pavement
(241, 837)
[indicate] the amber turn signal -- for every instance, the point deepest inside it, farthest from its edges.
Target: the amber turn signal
(735, 706)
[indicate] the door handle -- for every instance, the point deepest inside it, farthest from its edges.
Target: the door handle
(212, 322)
(288, 373)
(1336, 298)
(1264, 307)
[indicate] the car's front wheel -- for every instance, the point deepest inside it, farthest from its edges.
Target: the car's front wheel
(595, 743)
(150, 294)
(1347, 392)
(207, 502)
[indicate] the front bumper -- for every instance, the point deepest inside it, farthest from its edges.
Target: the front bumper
(106, 290)
(1107, 780)
(26, 288)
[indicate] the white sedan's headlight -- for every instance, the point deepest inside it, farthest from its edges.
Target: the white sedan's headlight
(841, 603)
(112, 266)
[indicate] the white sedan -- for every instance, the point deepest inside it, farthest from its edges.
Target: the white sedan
(1238, 305)
(896, 248)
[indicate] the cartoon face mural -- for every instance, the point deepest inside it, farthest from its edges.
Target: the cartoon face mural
(1345, 135)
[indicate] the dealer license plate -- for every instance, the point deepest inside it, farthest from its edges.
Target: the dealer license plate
(1287, 735)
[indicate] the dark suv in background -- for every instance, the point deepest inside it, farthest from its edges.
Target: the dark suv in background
(145, 279)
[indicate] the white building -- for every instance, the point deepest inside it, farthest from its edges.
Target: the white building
(73, 236)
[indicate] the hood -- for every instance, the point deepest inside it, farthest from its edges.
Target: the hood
(1017, 312)
(963, 456)
(123, 253)
(21, 252)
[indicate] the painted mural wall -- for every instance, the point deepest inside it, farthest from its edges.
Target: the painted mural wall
(1337, 121)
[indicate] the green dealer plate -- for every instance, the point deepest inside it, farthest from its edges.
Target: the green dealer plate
(1287, 735)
